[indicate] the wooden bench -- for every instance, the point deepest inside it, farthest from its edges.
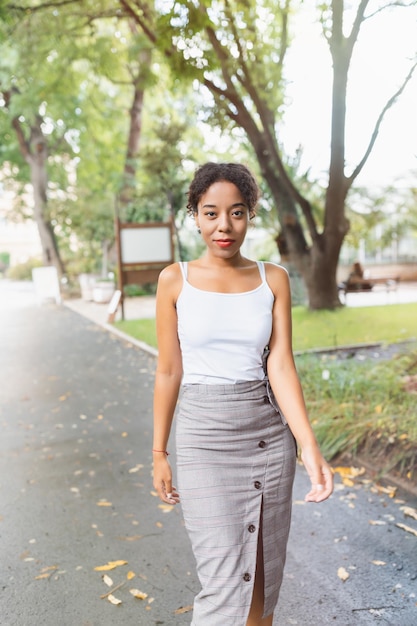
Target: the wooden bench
(363, 285)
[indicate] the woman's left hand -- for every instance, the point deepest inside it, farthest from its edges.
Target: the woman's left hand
(320, 474)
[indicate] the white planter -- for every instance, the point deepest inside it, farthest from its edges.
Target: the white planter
(87, 283)
(103, 291)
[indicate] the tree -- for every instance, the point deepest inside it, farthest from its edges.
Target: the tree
(57, 72)
(236, 51)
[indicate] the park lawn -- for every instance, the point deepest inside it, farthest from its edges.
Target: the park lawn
(324, 329)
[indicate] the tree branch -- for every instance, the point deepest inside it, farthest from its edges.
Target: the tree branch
(378, 123)
(359, 18)
(139, 20)
(405, 5)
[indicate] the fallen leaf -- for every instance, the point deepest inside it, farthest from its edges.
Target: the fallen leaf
(46, 572)
(107, 580)
(349, 472)
(343, 574)
(130, 575)
(409, 512)
(140, 595)
(378, 562)
(377, 522)
(408, 529)
(103, 503)
(109, 566)
(111, 598)
(166, 508)
(183, 609)
(135, 469)
(389, 490)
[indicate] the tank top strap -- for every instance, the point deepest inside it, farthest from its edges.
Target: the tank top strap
(184, 269)
(261, 268)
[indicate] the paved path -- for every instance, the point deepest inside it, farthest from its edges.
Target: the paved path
(76, 493)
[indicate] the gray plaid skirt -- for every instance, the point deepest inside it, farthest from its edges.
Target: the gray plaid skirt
(235, 468)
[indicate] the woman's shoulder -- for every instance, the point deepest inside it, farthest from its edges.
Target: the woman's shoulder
(273, 270)
(170, 272)
(170, 278)
(277, 278)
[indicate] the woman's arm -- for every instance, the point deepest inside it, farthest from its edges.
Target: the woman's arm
(167, 378)
(287, 389)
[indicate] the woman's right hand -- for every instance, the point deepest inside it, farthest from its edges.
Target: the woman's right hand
(162, 479)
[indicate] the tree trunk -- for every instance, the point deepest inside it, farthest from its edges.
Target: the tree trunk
(38, 177)
(35, 154)
(127, 192)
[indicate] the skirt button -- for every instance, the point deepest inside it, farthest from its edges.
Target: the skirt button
(247, 577)
(257, 484)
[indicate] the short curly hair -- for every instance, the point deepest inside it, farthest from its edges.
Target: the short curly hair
(210, 173)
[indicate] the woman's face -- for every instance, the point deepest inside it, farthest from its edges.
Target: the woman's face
(222, 218)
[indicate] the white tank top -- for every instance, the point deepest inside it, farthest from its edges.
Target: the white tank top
(223, 335)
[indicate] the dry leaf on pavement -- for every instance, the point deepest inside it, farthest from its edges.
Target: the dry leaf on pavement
(111, 598)
(183, 609)
(140, 595)
(109, 566)
(409, 511)
(166, 508)
(408, 529)
(343, 574)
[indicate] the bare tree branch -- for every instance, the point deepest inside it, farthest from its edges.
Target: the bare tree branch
(405, 5)
(378, 123)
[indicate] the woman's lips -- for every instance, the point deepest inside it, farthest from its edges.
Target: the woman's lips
(224, 243)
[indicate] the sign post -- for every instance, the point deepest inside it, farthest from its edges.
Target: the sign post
(143, 250)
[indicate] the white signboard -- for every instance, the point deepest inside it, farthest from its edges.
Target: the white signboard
(146, 245)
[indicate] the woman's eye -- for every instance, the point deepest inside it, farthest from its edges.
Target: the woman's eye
(210, 214)
(238, 213)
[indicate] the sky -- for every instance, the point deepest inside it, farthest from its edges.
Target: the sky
(381, 61)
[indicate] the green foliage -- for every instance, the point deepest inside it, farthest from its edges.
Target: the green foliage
(23, 271)
(364, 410)
(381, 218)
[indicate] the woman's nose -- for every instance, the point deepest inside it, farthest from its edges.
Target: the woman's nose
(224, 223)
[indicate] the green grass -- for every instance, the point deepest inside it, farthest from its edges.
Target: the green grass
(324, 329)
(365, 410)
(143, 329)
(347, 326)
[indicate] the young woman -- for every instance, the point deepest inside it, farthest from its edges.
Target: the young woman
(240, 415)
